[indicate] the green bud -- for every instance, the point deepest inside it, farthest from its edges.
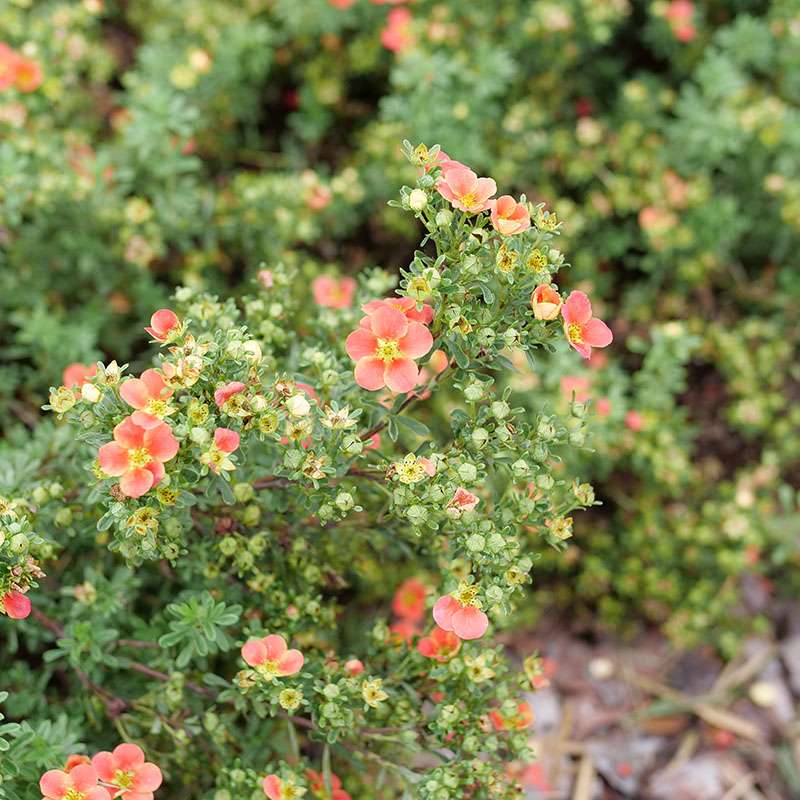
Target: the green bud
(467, 472)
(63, 517)
(479, 437)
(500, 409)
(243, 492)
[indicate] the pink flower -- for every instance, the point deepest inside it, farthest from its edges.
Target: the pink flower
(317, 782)
(148, 395)
(224, 393)
(519, 721)
(680, 14)
(404, 630)
(353, 667)
(332, 292)
(584, 331)
(384, 349)
(126, 769)
(634, 421)
(545, 302)
(78, 784)
(137, 455)
(464, 619)
(577, 385)
(265, 278)
(509, 217)
(8, 67)
(463, 500)
(77, 374)
(465, 190)
(397, 35)
(438, 361)
(603, 407)
(16, 605)
(273, 787)
(28, 75)
(75, 760)
(409, 599)
(373, 443)
(161, 323)
(271, 656)
(226, 440)
(439, 644)
(406, 305)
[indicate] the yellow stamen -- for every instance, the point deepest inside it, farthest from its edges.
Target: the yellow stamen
(387, 350)
(123, 779)
(575, 332)
(140, 457)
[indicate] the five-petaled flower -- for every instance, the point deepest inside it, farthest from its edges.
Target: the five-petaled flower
(583, 331)
(162, 323)
(509, 217)
(79, 783)
(149, 395)
(271, 657)
(216, 458)
(521, 719)
(276, 788)
(126, 770)
(409, 599)
(332, 292)
(460, 614)
(317, 781)
(465, 190)
(384, 348)
(461, 501)
(16, 604)
(77, 374)
(439, 644)
(137, 455)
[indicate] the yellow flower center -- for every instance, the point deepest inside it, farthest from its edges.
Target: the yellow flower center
(158, 408)
(74, 794)
(387, 350)
(123, 779)
(139, 457)
(268, 670)
(468, 199)
(575, 332)
(467, 595)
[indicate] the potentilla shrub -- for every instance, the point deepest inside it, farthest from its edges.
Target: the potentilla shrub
(270, 484)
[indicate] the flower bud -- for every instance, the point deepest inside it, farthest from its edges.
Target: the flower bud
(546, 302)
(199, 435)
(344, 501)
(90, 393)
(500, 409)
(444, 218)
(467, 472)
(479, 437)
(417, 200)
(297, 405)
(40, 495)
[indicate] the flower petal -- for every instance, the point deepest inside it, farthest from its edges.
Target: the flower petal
(417, 341)
(16, 605)
(136, 482)
(369, 373)
(83, 777)
(470, 623)
(145, 420)
(226, 439)
(443, 611)
(272, 787)
(160, 442)
(129, 434)
(148, 778)
(596, 333)
(254, 652)
(103, 764)
(158, 471)
(155, 384)
(128, 756)
(113, 459)
(388, 323)
(361, 343)
(576, 308)
(290, 662)
(134, 392)
(54, 784)
(401, 375)
(276, 646)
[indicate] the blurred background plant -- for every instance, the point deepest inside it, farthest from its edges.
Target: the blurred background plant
(192, 143)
